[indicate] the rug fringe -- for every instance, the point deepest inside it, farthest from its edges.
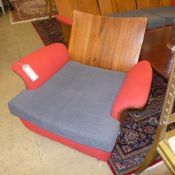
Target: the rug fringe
(30, 20)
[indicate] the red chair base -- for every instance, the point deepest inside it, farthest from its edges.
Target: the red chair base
(99, 154)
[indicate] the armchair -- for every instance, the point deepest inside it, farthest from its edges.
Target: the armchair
(79, 94)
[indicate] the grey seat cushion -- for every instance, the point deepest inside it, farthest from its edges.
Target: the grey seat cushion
(168, 13)
(154, 21)
(76, 104)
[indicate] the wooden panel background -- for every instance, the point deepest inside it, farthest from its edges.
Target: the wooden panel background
(113, 6)
(107, 6)
(66, 7)
(144, 4)
(125, 5)
(106, 42)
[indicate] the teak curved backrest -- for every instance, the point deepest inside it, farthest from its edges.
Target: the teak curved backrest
(106, 42)
(144, 4)
(113, 6)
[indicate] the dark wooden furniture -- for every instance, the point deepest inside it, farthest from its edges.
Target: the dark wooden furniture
(49, 4)
(66, 8)
(144, 4)
(155, 50)
(114, 6)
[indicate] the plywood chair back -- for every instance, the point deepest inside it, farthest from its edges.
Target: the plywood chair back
(66, 8)
(144, 4)
(106, 42)
(113, 6)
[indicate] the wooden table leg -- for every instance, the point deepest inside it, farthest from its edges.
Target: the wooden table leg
(49, 4)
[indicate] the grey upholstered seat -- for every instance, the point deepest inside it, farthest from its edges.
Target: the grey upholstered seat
(76, 104)
(168, 13)
(154, 21)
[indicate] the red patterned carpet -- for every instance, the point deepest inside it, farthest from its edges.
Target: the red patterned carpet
(138, 129)
(29, 10)
(49, 31)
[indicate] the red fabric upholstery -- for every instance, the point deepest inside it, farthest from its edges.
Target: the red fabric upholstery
(99, 154)
(45, 62)
(135, 89)
(65, 20)
(48, 60)
(173, 2)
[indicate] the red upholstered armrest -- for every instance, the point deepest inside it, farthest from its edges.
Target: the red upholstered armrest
(135, 89)
(45, 62)
(65, 20)
(173, 2)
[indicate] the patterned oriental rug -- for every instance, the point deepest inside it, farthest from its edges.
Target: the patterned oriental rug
(138, 130)
(49, 31)
(29, 10)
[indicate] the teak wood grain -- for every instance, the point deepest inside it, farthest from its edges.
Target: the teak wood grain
(107, 6)
(107, 42)
(126, 5)
(144, 4)
(66, 7)
(113, 6)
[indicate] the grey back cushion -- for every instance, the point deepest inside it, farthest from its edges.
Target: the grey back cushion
(76, 104)
(168, 13)
(154, 21)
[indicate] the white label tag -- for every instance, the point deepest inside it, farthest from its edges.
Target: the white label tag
(171, 142)
(30, 72)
